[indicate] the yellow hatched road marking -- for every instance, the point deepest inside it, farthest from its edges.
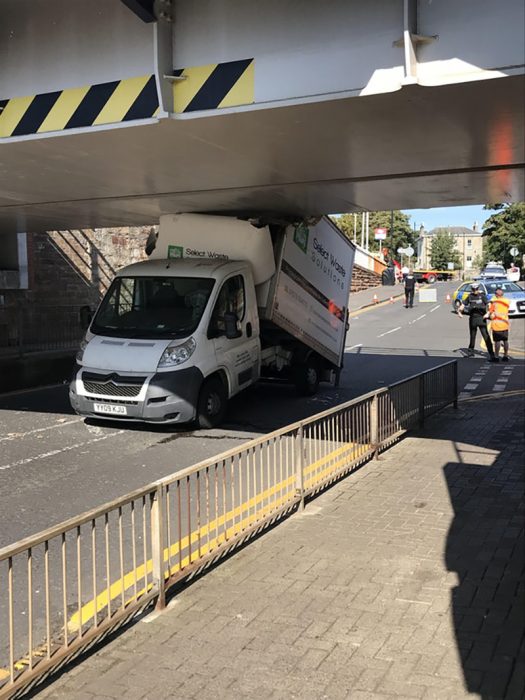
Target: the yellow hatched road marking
(63, 109)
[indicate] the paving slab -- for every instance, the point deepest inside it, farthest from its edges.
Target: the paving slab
(403, 580)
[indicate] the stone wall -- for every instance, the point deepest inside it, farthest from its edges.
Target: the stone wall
(71, 269)
(67, 270)
(364, 279)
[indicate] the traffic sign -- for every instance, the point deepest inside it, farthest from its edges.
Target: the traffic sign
(409, 251)
(380, 234)
(400, 251)
(514, 251)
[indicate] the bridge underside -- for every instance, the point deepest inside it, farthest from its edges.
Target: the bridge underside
(418, 147)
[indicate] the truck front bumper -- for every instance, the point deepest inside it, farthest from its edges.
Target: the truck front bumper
(164, 397)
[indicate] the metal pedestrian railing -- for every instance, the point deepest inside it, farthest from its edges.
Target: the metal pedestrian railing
(39, 328)
(66, 588)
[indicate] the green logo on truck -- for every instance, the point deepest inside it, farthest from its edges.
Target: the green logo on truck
(175, 251)
(300, 237)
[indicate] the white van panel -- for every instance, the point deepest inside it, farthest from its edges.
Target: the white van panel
(216, 237)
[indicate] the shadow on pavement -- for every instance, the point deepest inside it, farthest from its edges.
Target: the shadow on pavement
(485, 547)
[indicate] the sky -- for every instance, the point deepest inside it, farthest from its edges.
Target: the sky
(448, 216)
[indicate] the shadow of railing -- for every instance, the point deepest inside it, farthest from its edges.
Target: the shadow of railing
(485, 547)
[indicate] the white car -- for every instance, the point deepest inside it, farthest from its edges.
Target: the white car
(493, 271)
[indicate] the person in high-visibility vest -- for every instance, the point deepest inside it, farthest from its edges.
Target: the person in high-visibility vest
(499, 322)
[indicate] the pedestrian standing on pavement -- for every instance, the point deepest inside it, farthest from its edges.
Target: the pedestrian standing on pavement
(410, 287)
(499, 322)
(476, 306)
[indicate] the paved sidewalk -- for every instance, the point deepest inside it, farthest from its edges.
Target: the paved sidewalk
(358, 300)
(401, 581)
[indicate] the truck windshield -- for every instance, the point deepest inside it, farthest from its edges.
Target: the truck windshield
(152, 307)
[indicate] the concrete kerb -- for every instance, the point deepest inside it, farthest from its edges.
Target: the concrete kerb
(374, 304)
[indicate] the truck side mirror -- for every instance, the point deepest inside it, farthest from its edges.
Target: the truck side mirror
(230, 325)
(85, 315)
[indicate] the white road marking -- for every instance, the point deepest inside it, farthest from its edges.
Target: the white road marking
(15, 436)
(465, 395)
(56, 452)
(471, 386)
(420, 317)
(391, 331)
(435, 307)
(499, 387)
(502, 380)
(359, 345)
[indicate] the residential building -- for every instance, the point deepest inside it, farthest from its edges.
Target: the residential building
(468, 241)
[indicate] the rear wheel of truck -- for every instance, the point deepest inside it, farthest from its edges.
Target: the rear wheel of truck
(211, 406)
(431, 279)
(306, 377)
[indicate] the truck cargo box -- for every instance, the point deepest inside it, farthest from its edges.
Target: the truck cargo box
(310, 289)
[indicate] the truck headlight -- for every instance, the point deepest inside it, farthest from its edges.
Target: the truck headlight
(80, 351)
(177, 354)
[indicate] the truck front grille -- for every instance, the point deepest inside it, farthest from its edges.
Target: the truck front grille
(112, 384)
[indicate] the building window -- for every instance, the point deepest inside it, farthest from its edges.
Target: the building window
(469, 257)
(469, 243)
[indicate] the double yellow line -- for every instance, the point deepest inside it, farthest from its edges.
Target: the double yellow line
(316, 473)
(284, 488)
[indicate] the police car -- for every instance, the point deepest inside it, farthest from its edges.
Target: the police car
(512, 291)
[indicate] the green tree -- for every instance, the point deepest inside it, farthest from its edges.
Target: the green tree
(503, 231)
(443, 250)
(401, 237)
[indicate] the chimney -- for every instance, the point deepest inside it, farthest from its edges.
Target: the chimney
(475, 226)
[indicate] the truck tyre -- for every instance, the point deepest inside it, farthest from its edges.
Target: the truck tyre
(211, 405)
(431, 279)
(306, 377)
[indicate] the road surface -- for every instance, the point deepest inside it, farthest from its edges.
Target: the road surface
(55, 465)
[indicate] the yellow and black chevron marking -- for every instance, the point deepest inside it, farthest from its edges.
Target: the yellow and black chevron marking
(105, 103)
(214, 86)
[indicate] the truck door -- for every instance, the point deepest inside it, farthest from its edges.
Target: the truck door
(238, 356)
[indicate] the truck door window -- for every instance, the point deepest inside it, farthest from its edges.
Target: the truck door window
(231, 299)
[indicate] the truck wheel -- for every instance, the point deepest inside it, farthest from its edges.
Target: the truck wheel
(431, 279)
(211, 405)
(307, 377)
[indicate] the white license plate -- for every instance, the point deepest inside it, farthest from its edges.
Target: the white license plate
(110, 408)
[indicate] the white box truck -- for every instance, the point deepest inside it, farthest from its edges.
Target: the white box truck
(219, 303)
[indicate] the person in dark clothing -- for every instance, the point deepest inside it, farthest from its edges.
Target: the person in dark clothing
(410, 287)
(476, 306)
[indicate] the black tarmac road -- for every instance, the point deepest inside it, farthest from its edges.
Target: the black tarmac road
(54, 465)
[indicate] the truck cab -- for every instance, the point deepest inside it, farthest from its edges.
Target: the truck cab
(171, 341)
(220, 303)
